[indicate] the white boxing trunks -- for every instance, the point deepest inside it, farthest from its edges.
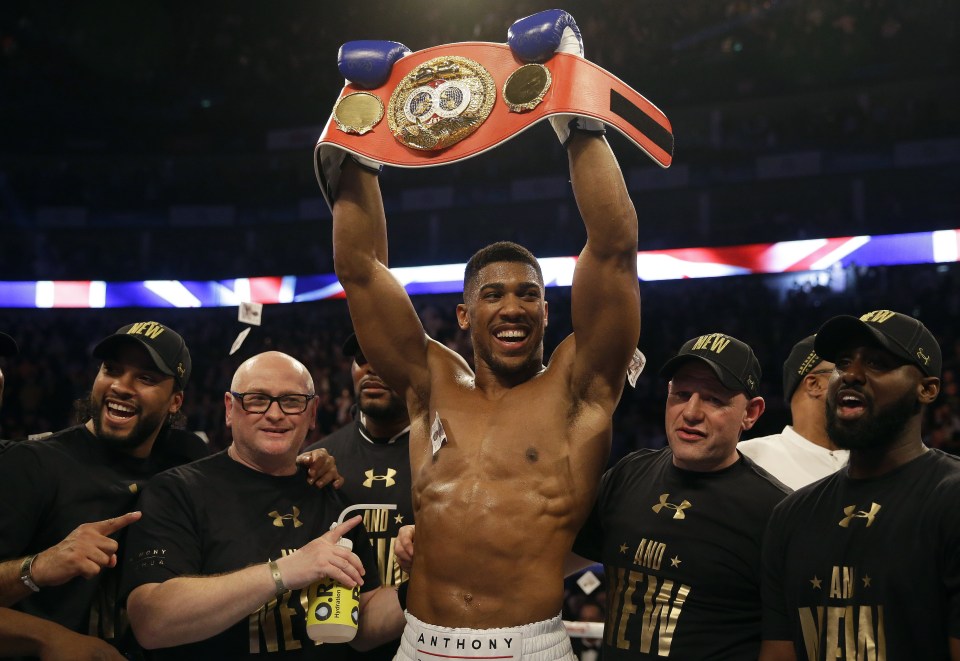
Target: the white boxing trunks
(540, 641)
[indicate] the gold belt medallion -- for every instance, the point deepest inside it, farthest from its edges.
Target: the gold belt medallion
(358, 112)
(526, 87)
(440, 103)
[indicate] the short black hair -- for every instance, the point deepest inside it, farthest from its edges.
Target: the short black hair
(501, 251)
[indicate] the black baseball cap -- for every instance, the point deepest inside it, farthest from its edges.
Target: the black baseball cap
(901, 335)
(8, 347)
(165, 346)
(732, 361)
(801, 361)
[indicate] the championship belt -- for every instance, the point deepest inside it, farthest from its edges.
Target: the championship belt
(448, 103)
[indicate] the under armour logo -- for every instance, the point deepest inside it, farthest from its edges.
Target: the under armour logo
(677, 509)
(388, 478)
(279, 518)
(852, 513)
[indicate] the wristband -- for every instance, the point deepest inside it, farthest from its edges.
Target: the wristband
(26, 575)
(402, 594)
(277, 577)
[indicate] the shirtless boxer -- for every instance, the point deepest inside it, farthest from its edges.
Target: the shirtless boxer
(505, 461)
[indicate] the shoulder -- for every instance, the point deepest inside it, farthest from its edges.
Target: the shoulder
(69, 443)
(755, 446)
(440, 356)
(946, 465)
(199, 471)
(639, 462)
(765, 479)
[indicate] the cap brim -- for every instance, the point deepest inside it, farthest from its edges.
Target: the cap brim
(106, 346)
(8, 347)
(847, 331)
(671, 366)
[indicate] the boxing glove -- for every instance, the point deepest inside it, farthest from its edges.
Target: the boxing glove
(536, 38)
(365, 64)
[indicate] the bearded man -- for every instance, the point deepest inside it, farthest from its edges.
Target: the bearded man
(863, 564)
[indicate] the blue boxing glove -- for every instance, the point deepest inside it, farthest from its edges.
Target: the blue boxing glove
(365, 64)
(536, 38)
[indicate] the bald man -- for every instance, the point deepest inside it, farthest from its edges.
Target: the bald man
(231, 547)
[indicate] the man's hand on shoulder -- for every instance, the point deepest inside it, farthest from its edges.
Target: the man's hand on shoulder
(321, 468)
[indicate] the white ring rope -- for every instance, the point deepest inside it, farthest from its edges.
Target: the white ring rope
(584, 629)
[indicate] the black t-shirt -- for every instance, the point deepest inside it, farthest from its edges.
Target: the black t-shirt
(50, 486)
(681, 553)
(217, 515)
(377, 471)
(874, 564)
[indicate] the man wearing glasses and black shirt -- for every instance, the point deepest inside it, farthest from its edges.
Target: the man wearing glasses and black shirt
(230, 548)
(803, 452)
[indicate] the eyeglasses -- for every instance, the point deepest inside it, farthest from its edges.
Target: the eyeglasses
(815, 372)
(258, 402)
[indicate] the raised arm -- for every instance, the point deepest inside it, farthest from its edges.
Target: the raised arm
(386, 324)
(605, 295)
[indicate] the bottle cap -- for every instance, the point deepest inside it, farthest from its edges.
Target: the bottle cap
(343, 541)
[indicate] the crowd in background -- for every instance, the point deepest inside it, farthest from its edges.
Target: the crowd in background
(54, 366)
(153, 121)
(121, 115)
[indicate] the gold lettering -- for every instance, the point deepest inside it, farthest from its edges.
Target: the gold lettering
(811, 630)
(878, 316)
(638, 557)
(376, 520)
(849, 584)
(149, 328)
(286, 614)
(719, 344)
(653, 603)
(266, 619)
(628, 608)
(842, 583)
(650, 553)
(871, 643)
(715, 342)
(657, 555)
(659, 616)
(669, 623)
(834, 620)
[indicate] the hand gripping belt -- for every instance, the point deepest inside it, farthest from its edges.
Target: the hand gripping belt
(579, 87)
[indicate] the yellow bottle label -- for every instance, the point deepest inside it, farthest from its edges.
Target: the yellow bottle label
(335, 610)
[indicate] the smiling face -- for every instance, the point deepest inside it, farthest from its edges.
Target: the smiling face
(505, 310)
(704, 419)
(131, 400)
(873, 397)
(270, 441)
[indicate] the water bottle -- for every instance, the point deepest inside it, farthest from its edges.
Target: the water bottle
(334, 612)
